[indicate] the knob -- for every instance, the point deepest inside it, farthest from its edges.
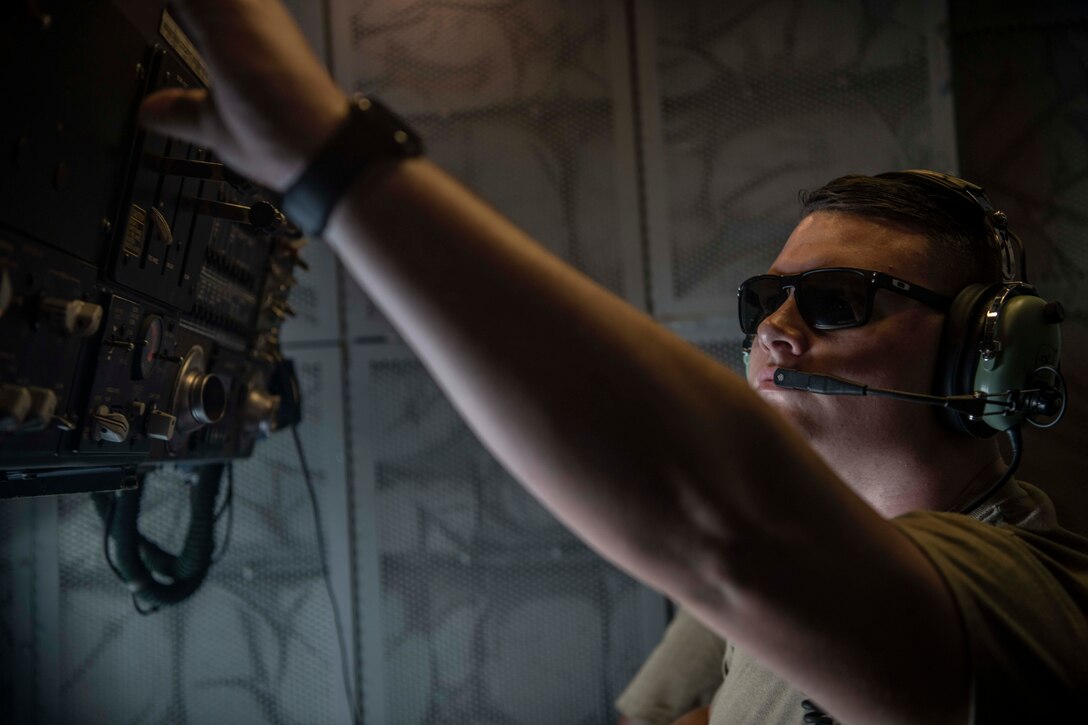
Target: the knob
(199, 398)
(1054, 313)
(259, 409)
(14, 405)
(261, 215)
(160, 425)
(108, 426)
(206, 397)
(71, 317)
(43, 407)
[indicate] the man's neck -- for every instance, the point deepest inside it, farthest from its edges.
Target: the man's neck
(940, 474)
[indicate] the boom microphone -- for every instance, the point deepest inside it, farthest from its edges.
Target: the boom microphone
(1038, 401)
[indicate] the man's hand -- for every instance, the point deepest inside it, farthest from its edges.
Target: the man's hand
(273, 103)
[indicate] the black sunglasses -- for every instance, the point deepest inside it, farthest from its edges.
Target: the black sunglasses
(828, 299)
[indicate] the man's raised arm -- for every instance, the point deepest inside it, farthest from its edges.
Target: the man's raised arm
(663, 461)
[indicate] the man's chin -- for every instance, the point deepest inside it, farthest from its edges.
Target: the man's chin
(795, 407)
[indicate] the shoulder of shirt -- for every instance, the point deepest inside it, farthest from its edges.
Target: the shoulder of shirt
(1019, 513)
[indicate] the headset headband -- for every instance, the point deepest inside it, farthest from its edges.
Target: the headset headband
(1008, 245)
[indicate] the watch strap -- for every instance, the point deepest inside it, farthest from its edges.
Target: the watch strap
(371, 133)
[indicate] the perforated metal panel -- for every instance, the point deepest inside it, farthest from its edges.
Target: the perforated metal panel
(526, 102)
(744, 105)
(476, 604)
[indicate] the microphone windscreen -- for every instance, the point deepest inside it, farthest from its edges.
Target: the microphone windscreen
(823, 384)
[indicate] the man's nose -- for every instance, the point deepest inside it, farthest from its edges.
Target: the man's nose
(784, 333)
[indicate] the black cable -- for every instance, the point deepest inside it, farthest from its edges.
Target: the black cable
(107, 501)
(228, 506)
(229, 495)
(1016, 441)
(356, 715)
(152, 575)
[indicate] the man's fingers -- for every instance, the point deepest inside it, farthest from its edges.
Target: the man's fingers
(185, 114)
(189, 14)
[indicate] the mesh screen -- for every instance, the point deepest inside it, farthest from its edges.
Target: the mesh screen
(761, 100)
(525, 102)
(475, 604)
(491, 611)
(726, 351)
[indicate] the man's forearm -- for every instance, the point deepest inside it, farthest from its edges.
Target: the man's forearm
(625, 431)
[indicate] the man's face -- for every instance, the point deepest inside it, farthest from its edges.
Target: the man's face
(897, 348)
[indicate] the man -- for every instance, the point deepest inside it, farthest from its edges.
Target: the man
(669, 465)
(898, 460)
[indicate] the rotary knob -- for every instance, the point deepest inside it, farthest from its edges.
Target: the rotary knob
(259, 409)
(200, 397)
(71, 317)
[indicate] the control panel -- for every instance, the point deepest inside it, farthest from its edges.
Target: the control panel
(143, 284)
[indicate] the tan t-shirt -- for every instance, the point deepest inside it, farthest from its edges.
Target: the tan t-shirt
(682, 673)
(1019, 581)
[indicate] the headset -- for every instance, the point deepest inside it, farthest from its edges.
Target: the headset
(1000, 351)
(1000, 338)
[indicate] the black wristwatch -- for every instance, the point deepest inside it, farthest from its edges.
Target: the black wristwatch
(370, 134)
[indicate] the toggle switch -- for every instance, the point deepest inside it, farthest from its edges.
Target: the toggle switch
(160, 425)
(261, 215)
(43, 408)
(109, 426)
(15, 403)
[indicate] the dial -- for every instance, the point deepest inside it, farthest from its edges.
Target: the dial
(148, 346)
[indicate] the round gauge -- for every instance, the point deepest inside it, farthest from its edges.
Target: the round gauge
(147, 347)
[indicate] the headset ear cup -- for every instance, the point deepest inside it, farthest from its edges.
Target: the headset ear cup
(957, 360)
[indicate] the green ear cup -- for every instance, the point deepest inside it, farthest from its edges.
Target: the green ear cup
(1026, 337)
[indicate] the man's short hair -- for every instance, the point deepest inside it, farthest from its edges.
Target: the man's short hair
(955, 227)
